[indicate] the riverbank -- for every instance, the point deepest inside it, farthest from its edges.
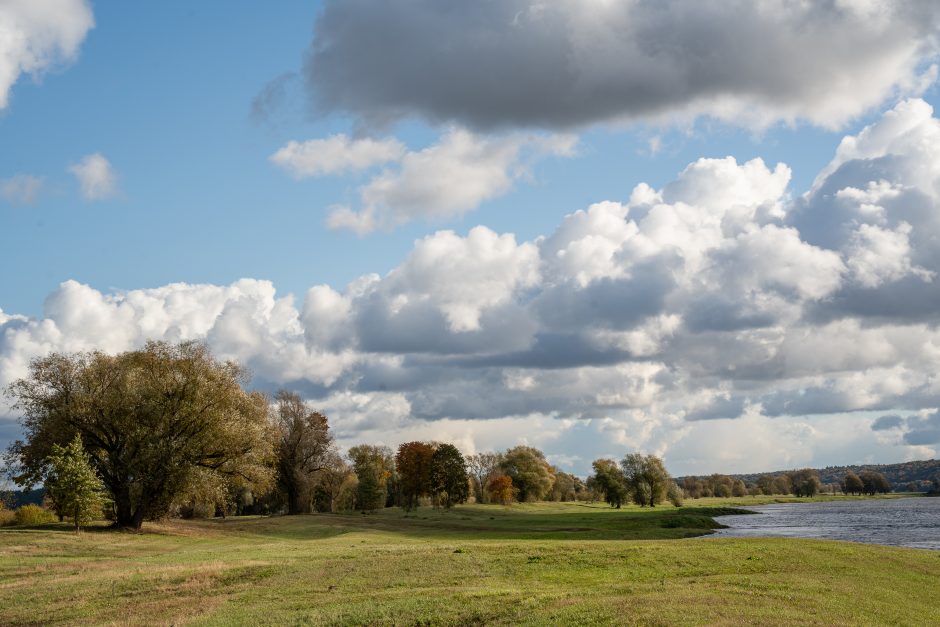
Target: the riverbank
(542, 563)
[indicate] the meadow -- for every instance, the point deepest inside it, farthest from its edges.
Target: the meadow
(544, 563)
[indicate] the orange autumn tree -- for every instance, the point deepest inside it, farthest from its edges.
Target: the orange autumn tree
(500, 489)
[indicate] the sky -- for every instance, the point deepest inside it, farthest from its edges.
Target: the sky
(708, 231)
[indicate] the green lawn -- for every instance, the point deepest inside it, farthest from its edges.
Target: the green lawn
(525, 564)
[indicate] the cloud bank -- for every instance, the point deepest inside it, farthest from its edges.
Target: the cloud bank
(557, 64)
(36, 35)
(719, 308)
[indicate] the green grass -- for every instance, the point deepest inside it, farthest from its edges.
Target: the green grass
(525, 564)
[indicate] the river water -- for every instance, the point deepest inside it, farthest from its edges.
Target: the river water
(912, 522)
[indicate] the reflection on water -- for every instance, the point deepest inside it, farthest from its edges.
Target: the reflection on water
(913, 522)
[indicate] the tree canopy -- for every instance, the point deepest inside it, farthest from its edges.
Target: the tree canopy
(149, 419)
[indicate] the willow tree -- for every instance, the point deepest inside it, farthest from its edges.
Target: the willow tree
(149, 419)
(645, 478)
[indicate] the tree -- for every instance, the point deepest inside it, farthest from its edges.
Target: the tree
(330, 480)
(374, 466)
(646, 478)
(450, 483)
(565, 487)
(530, 473)
(805, 482)
(874, 482)
(148, 419)
(609, 480)
(674, 494)
(738, 488)
(304, 448)
(414, 461)
(482, 467)
(500, 489)
(851, 484)
(72, 483)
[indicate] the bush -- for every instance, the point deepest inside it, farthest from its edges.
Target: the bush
(7, 517)
(29, 515)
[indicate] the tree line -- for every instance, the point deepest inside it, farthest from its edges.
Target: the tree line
(168, 430)
(804, 482)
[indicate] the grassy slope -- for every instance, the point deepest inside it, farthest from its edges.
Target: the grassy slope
(545, 563)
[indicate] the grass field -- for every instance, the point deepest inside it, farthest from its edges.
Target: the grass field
(525, 564)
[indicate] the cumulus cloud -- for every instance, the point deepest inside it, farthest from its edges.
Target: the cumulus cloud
(36, 35)
(556, 65)
(97, 178)
(335, 154)
(446, 180)
(713, 310)
(21, 189)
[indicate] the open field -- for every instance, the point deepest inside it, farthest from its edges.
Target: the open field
(542, 563)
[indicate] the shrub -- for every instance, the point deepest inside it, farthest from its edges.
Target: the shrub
(29, 515)
(7, 517)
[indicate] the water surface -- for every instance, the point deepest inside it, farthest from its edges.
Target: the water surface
(913, 522)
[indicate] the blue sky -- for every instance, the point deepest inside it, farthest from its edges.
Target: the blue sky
(659, 322)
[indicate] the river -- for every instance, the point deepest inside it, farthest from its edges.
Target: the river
(911, 522)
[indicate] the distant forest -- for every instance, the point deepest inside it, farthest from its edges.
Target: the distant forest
(919, 473)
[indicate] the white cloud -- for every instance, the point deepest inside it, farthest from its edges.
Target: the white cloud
(336, 154)
(446, 179)
(35, 35)
(21, 189)
(97, 178)
(635, 324)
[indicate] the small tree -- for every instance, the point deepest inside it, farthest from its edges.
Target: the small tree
(500, 489)
(874, 482)
(608, 479)
(373, 465)
(450, 483)
(482, 467)
(805, 482)
(851, 484)
(72, 483)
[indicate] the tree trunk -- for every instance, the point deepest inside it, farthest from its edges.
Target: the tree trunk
(124, 511)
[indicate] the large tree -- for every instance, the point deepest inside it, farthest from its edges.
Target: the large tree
(149, 419)
(450, 483)
(413, 463)
(304, 448)
(645, 478)
(531, 475)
